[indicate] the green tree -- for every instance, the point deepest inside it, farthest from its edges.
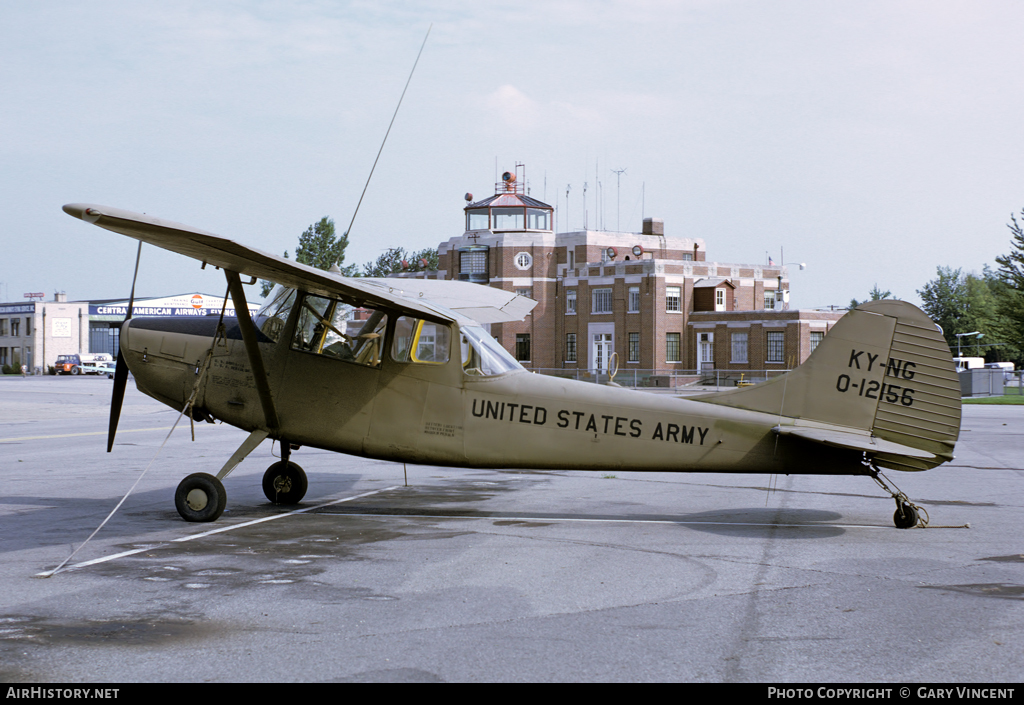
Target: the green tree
(320, 247)
(876, 294)
(962, 303)
(391, 262)
(1008, 305)
(1009, 292)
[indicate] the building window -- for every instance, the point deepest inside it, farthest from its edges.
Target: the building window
(527, 292)
(634, 347)
(739, 347)
(570, 301)
(509, 218)
(524, 261)
(719, 299)
(634, 299)
(478, 219)
(28, 326)
(672, 347)
(570, 347)
(473, 264)
(523, 347)
(816, 336)
(3, 326)
(15, 327)
(687, 257)
(602, 299)
(769, 299)
(673, 299)
(775, 346)
(537, 219)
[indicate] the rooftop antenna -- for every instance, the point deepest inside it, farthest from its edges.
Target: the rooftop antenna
(568, 188)
(349, 229)
(618, 175)
(584, 205)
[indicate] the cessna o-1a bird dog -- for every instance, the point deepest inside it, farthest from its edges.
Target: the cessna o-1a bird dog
(404, 370)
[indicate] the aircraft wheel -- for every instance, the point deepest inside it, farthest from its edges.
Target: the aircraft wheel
(200, 497)
(284, 483)
(905, 517)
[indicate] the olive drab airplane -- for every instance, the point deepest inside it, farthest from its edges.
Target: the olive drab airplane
(405, 370)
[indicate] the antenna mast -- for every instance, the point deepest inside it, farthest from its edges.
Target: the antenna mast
(618, 175)
(349, 229)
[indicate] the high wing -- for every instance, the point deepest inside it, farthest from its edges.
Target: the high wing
(483, 304)
(414, 297)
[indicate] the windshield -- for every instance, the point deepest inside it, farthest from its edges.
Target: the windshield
(482, 355)
(273, 314)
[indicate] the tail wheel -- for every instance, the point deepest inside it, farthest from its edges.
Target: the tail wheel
(905, 516)
(285, 483)
(200, 497)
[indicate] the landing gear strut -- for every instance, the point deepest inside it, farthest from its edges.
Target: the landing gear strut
(908, 515)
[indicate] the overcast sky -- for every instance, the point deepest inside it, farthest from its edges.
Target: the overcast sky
(874, 141)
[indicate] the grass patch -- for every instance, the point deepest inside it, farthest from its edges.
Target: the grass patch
(1011, 398)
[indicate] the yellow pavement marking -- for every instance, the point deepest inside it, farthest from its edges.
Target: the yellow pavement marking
(90, 433)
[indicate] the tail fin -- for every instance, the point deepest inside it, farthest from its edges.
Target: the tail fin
(884, 371)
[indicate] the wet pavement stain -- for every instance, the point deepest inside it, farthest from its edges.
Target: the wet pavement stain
(1013, 558)
(298, 549)
(1004, 591)
(16, 631)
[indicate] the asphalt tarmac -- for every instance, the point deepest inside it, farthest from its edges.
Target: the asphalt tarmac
(470, 575)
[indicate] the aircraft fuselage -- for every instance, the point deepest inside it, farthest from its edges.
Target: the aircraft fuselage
(437, 414)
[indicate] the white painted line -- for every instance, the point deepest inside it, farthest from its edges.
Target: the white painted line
(104, 559)
(280, 516)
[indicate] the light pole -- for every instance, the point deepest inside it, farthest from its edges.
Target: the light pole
(962, 335)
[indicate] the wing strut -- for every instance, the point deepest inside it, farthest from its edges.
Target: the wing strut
(252, 350)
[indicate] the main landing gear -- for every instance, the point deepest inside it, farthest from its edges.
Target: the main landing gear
(201, 496)
(285, 482)
(908, 515)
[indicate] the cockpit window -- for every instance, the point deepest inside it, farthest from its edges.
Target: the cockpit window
(417, 340)
(273, 314)
(332, 328)
(482, 355)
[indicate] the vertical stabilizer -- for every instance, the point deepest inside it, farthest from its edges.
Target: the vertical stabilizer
(883, 369)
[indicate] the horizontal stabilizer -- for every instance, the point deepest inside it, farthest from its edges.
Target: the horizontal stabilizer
(854, 441)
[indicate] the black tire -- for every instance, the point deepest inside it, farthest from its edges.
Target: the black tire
(284, 483)
(75, 370)
(200, 497)
(905, 517)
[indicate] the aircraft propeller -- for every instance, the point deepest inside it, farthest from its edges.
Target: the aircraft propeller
(121, 370)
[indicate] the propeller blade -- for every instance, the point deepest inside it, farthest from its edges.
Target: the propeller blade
(121, 370)
(117, 398)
